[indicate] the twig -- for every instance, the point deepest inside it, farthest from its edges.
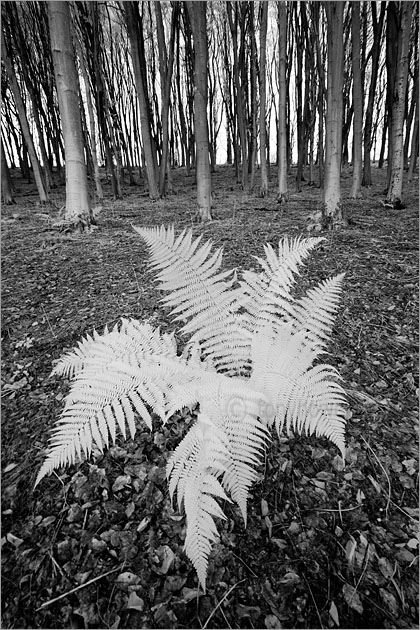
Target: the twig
(77, 588)
(385, 473)
(48, 321)
(221, 602)
(244, 563)
(314, 602)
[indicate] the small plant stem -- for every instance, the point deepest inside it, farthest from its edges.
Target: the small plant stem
(221, 602)
(77, 588)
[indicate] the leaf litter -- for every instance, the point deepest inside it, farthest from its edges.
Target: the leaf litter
(100, 546)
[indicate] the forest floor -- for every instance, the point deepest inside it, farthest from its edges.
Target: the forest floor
(99, 546)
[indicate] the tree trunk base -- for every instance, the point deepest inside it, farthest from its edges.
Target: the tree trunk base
(282, 198)
(395, 204)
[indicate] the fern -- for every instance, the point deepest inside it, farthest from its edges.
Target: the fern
(251, 360)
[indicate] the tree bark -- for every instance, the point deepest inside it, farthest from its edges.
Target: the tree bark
(357, 101)
(6, 185)
(377, 26)
(282, 193)
(332, 215)
(77, 196)
(93, 137)
(414, 142)
(263, 91)
(394, 195)
(166, 64)
(197, 13)
(137, 53)
(299, 38)
(20, 107)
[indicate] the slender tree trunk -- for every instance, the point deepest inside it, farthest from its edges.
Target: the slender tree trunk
(282, 193)
(316, 7)
(263, 90)
(93, 137)
(357, 101)
(377, 26)
(166, 65)
(299, 93)
(186, 161)
(137, 52)
(394, 195)
(414, 142)
(252, 158)
(20, 107)
(77, 195)
(6, 185)
(238, 70)
(197, 13)
(332, 210)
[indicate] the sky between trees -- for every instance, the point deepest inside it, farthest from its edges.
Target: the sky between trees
(144, 87)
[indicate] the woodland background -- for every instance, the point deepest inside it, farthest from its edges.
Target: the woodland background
(301, 127)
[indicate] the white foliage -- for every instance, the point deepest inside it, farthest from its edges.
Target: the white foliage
(250, 361)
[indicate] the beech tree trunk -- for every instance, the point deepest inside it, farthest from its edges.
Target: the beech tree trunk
(299, 39)
(377, 26)
(77, 196)
(21, 111)
(197, 14)
(282, 193)
(332, 215)
(394, 196)
(93, 135)
(6, 186)
(134, 29)
(252, 156)
(414, 143)
(166, 65)
(357, 101)
(263, 90)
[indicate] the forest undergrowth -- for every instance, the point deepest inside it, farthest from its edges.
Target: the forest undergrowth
(100, 546)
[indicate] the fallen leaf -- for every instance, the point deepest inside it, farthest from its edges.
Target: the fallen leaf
(14, 540)
(191, 593)
(413, 543)
(127, 578)
(386, 568)
(143, 524)
(405, 556)
(390, 602)
(129, 510)
(411, 466)
(333, 612)
(135, 602)
(352, 598)
(264, 507)
(271, 621)
(122, 481)
(167, 556)
(174, 583)
(9, 467)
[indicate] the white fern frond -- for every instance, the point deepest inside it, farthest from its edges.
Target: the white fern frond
(227, 441)
(238, 408)
(316, 406)
(200, 294)
(106, 391)
(315, 312)
(268, 293)
(302, 397)
(192, 472)
(127, 338)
